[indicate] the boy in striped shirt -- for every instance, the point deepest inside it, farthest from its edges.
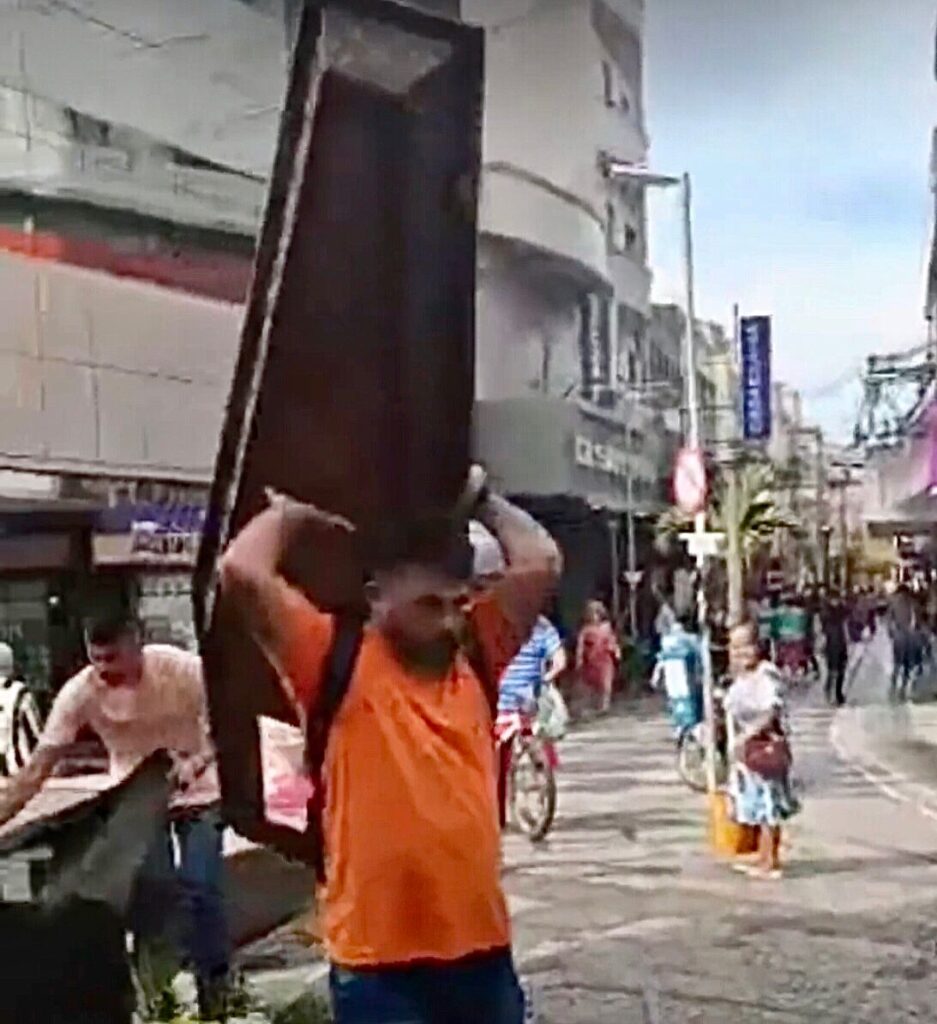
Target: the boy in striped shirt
(539, 661)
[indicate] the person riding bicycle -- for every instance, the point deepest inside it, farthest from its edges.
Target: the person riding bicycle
(679, 669)
(540, 660)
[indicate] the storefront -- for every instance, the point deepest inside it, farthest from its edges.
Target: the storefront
(579, 470)
(899, 495)
(148, 551)
(43, 577)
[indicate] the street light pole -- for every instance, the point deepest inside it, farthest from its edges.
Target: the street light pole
(616, 569)
(615, 168)
(632, 563)
(694, 441)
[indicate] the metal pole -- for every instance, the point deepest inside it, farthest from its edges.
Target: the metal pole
(843, 538)
(694, 441)
(616, 569)
(632, 563)
(819, 513)
(689, 355)
(734, 566)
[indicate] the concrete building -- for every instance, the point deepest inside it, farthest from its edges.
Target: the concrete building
(717, 376)
(127, 217)
(720, 395)
(900, 483)
(564, 286)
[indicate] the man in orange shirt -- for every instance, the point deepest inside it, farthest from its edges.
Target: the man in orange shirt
(415, 920)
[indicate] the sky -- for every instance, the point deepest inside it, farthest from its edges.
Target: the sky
(806, 128)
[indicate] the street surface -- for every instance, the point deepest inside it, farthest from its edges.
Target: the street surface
(624, 916)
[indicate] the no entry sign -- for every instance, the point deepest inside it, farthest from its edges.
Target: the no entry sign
(689, 481)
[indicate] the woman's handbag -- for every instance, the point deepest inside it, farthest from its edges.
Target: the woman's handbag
(768, 754)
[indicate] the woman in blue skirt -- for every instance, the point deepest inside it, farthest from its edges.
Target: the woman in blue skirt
(758, 725)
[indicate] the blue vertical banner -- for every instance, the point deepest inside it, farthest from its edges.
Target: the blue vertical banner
(755, 339)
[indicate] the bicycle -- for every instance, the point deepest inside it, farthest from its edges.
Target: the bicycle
(527, 762)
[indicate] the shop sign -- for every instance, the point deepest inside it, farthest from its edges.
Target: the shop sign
(755, 333)
(149, 540)
(604, 458)
(136, 548)
(158, 535)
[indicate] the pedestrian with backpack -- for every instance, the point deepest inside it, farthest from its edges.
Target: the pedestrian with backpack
(415, 919)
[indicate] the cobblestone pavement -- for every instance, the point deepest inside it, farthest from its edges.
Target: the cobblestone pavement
(623, 915)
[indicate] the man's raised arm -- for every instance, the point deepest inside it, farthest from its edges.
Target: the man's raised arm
(534, 561)
(289, 629)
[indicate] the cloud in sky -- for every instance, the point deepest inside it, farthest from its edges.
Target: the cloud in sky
(806, 127)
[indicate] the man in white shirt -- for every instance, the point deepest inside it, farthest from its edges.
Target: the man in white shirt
(139, 700)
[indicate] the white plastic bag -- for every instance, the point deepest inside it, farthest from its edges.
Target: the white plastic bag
(552, 713)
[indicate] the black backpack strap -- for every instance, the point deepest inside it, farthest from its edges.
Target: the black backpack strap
(339, 669)
(479, 665)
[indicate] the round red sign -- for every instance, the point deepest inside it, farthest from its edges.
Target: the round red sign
(689, 481)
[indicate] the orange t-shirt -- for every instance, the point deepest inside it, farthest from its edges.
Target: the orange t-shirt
(411, 824)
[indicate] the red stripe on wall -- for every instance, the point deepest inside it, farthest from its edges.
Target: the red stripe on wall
(214, 275)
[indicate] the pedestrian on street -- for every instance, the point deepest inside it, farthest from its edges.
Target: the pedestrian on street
(415, 920)
(679, 671)
(540, 660)
(901, 628)
(791, 628)
(834, 621)
(598, 654)
(767, 625)
(140, 699)
(760, 770)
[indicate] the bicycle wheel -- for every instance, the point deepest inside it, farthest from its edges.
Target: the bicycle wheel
(533, 790)
(691, 761)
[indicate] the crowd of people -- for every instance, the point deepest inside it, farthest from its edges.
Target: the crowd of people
(416, 926)
(456, 636)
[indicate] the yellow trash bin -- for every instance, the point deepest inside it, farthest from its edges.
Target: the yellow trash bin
(727, 838)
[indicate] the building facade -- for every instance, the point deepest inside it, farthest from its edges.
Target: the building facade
(564, 287)
(126, 229)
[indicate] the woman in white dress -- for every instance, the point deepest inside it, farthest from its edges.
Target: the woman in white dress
(760, 775)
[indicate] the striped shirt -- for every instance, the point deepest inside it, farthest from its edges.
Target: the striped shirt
(522, 679)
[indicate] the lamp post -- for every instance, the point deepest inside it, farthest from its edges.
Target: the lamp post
(623, 171)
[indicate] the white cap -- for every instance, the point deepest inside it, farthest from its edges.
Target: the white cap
(488, 557)
(6, 661)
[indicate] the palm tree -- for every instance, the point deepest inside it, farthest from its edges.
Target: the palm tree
(759, 515)
(757, 520)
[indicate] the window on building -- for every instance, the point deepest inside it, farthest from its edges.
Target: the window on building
(631, 238)
(616, 230)
(608, 83)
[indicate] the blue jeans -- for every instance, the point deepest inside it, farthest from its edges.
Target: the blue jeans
(184, 904)
(477, 990)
